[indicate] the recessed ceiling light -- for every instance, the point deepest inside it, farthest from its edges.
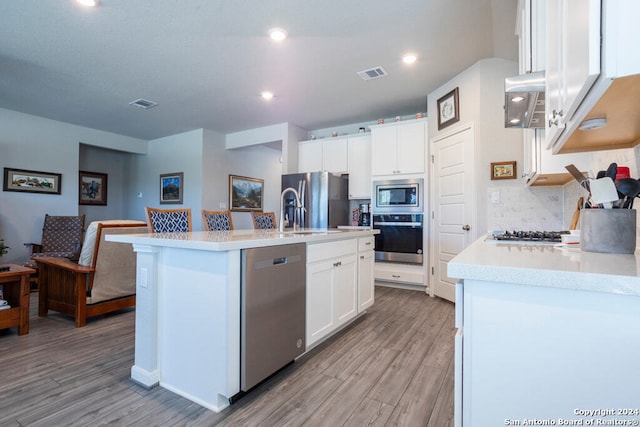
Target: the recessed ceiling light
(277, 34)
(409, 58)
(88, 3)
(514, 121)
(517, 99)
(266, 95)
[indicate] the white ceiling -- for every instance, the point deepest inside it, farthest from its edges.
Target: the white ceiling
(205, 62)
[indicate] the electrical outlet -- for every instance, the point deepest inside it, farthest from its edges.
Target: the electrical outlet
(139, 195)
(495, 197)
(222, 205)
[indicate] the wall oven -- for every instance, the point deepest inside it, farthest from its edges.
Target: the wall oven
(400, 238)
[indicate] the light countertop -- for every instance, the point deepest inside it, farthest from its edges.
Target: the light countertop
(548, 265)
(238, 239)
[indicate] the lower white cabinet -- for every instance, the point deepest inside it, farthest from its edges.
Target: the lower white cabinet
(365, 273)
(332, 287)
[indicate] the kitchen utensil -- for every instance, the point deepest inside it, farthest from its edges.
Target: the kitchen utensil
(630, 189)
(603, 191)
(578, 176)
(576, 214)
(612, 171)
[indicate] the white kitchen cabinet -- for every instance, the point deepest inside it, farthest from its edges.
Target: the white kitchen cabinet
(542, 167)
(310, 156)
(513, 341)
(328, 155)
(398, 148)
(573, 58)
(332, 292)
(359, 166)
(412, 275)
(334, 155)
(365, 273)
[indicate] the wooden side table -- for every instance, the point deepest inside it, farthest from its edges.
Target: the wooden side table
(15, 285)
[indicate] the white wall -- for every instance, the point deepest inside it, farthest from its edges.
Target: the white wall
(481, 91)
(34, 143)
(171, 154)
(254, 161)
(112, 163)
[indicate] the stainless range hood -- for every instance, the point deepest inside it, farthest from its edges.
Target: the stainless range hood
(524, 101)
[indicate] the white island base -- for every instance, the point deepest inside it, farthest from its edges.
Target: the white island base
(187, 336)
(546, 334)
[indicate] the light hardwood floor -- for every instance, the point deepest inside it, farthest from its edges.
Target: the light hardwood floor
(394, 366)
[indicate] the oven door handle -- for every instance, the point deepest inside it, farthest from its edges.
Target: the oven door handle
(399, 224)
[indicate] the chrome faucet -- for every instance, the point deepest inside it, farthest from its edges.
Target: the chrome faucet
(298, 206)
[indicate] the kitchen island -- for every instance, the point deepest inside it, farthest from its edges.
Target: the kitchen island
(188, 301)
(547, 335)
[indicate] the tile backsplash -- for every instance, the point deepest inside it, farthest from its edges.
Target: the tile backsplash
(533, 208)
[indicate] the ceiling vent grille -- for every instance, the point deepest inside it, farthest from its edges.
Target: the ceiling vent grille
(143, 103)
(372, 73)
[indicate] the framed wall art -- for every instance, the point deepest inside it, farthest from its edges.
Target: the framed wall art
(448, 109)
(31, 181)
(245, 194)
(171, 188)
(93, 188)
(503, 170)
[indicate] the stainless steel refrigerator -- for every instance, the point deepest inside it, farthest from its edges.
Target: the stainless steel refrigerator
(324, 196)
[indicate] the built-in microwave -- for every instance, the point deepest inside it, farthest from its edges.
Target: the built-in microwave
(398, 195)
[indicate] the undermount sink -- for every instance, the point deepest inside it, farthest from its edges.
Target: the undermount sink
(309, 232)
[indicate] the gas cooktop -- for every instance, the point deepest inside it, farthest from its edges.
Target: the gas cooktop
(527, 236)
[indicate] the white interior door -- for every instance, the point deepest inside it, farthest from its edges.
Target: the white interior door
(453, 201)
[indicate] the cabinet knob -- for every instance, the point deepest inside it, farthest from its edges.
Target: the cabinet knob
(395, 276)
(466, 227)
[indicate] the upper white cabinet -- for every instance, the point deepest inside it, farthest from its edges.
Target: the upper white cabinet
(573, 58)
(542, 167)
(398, 148)
(530, 29)
(328, 155)
(359, 166)
(310, 156)
(592, 72)
(346, 154)
(334, 155)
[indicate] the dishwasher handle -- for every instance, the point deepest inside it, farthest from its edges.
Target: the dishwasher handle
(273, 262)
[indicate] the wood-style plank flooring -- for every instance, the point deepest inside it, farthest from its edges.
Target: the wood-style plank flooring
(394, 366)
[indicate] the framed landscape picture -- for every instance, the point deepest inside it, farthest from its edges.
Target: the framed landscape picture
(171, 188)
(93, 188)
(245, 194)
(31, 181)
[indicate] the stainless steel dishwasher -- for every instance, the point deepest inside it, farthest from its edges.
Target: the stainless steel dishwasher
(273, 302)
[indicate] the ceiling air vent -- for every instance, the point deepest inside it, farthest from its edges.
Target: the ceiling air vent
(372, 73)
(143, 103)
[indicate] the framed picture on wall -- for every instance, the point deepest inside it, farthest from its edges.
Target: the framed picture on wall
(171, 188)
(448, 109)
(245, 194)
(503, 170)
(93, 188)
(31, 181)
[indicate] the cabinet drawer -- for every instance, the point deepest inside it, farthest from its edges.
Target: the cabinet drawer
(328, 250)
(392, 275)
(365, 243)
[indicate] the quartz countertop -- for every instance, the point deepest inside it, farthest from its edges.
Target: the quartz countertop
(238, 239)
(559, 266)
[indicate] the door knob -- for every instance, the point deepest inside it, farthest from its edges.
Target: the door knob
(466, 227)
